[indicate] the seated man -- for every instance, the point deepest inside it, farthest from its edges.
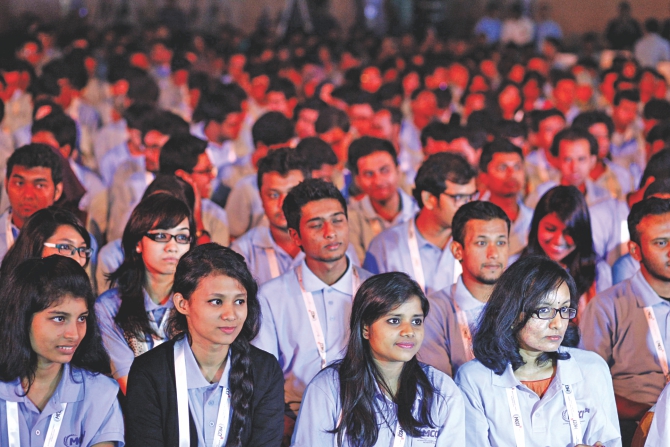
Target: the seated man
(480, 231)
(627, 324)
(421, 246)
(374, 164)
(545, 124)
(34, 181)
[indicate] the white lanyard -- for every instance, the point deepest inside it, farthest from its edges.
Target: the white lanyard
(13, 425)
(272, 261)
(223, 416)
(399, 435)
(658, 340)
(415, 256)
(463, 327)
(515, 413)
(573, 414)
(317, 331)
(9, 235)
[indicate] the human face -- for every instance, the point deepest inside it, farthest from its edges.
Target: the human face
(485, 250)
(653, 251)
(371, 80)
(215, 312)
(564, 93)
(396, 337)
(55, 332)
(538, 335)
(453, 197)
(553, 238)
(531, 90)
(304, 126)
(161, 258)
(575, 161)
(203, 173)
(505, 175)
(378, 176)
(65, 234)
(30, 190)
(382, 126)
(230, 127)
(509, 99)
(425, 105)
(277, 103)
(153, 143)
(601, 134)
(324, 230)
(548, 129)
(361, 116)
(624, 114)
(274, 189)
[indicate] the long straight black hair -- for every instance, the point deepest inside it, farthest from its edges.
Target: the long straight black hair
(214, 259)
(159, 210)
(570, 206)
(360, 377)
(33, 286)
(517, 293)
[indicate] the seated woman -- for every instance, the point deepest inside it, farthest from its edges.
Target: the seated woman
(133, 315)
(527, 386)
(208, 371)
(561, 230)
(47, 232)
(379, 394)
(52, 387)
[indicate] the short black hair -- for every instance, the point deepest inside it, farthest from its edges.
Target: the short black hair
(628, 95)
(656, 109)
(439, 168)
(181, 152)
(215, 107)
(331, 118)
(136, 113)
(282, 85)
(164, 122)
(587, 119)
(476, 210)
(282, 161)
(651, 25)
(557, 76)
(652, 206)
(537, 116)
(436, 131)
(272, 128)
(36, 155)
(308, 191)
(574, 134)
(661, 131)
(497, 146)
(316, 153)
(661, 186)
(658, 167)
(511, 129)
(364, 146)
(61, 126)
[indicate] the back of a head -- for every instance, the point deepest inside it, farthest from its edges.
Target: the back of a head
(61, 126)
(136, 113)
(181, 152)
(656, 109)
(36, 155)
(439, 168)
(587, 119)
(316, 152)
(271, 129)
(331, 118)
(171, 184)
(657, 167)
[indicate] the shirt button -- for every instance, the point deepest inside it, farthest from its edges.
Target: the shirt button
(332, 319)
(211, 423)
(211, 403)
(329, 289)
(330, 302)
(37, 432)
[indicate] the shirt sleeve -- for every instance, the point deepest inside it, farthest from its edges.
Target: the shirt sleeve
(604, 427)
(112, 335)
(597, 329)
(112, 427)
(659, 435)
(477, 434)
(435, 350)
(452, 431)
(318, 414)
(238, 208)
(144, 421)
(267, 335)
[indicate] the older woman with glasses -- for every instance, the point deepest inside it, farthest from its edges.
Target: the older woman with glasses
(133, 315)
(527, 385)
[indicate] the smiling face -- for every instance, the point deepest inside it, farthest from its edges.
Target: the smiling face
(324, 230)
(546, 335)
(55, 332)
(161, 258)
(397, 336)
(553, 238)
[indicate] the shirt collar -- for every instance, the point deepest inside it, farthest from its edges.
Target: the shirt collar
(195, 378)
(464, 298)
(313, 284)
(69, 389)
(644, 295)
(150, 306)
(407, 209)
(567, 372)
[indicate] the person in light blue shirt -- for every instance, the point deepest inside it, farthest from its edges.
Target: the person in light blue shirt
(322, 285)
(546, 27)
(659, 435)
(490, 26)
(55, 378)
(132, 315)
(379, 394)
(374, 163)
(528, 385)
(481, 245)
(616, 323)
(444, 183)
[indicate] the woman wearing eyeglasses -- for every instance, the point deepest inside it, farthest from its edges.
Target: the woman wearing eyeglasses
(527, 386)
(133, 314)
(49, 231)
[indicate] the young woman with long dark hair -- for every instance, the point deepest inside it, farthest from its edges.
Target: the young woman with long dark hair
(561, 230)
(208, 371)
(133, 315)
(379, 394)
(53, 387)
(527, 385)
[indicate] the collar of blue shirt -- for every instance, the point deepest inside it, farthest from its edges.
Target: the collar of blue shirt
(642, 291)
(313, 284)
(567, 372)
(69, 389)
(193, 373)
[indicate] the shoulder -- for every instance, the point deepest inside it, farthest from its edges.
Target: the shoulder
(327, 380)
(109, 300)
(263, 361)
(441, 382)
(98, 385)
(474, 373)
(210, 207)
(155, 361)
(588, 362)
(441, 301)
(392, 235)
(362, 273)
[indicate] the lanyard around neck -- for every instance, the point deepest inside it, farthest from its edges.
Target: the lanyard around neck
(13, 431)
